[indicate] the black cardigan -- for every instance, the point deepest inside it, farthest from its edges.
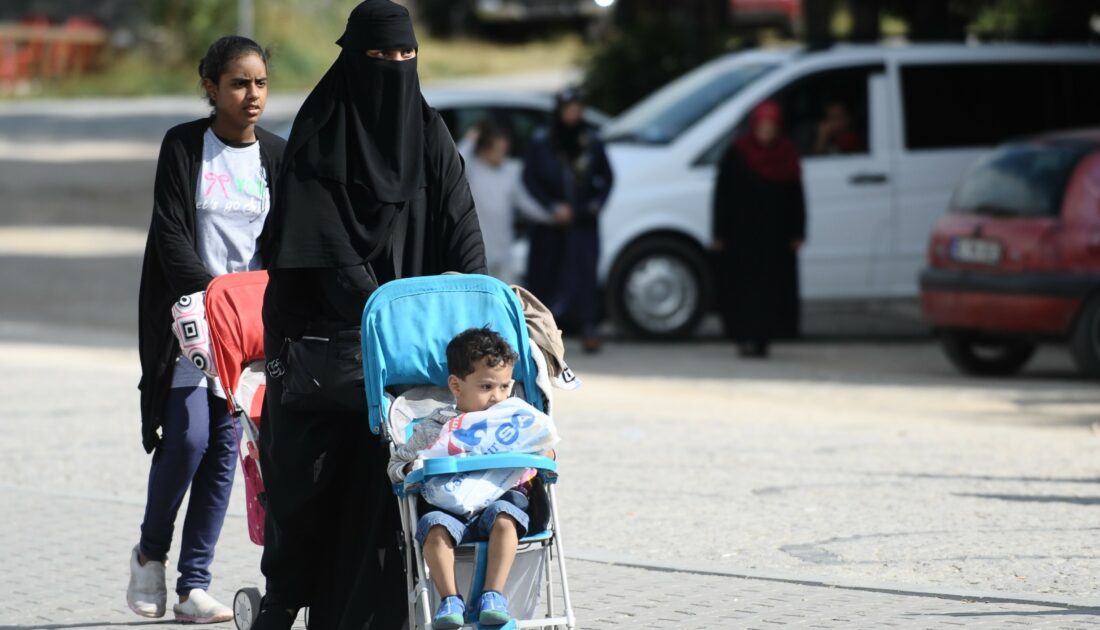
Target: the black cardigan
(172, 267)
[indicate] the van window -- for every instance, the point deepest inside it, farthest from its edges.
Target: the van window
(519, 123)
(668, 112)
(522, 124)
(1018, 180)
(459, 120)
(825, 114)
(974, 105)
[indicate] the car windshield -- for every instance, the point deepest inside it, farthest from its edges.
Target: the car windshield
(1018, 180)
(664, 115)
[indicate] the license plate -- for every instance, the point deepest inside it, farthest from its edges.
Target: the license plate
(976, 250)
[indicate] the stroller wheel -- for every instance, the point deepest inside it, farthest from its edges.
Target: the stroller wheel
(246, 606)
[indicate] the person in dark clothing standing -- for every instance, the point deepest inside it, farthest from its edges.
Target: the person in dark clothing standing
(210, 199)
(373, 190)
(566, 170)
(759, 225)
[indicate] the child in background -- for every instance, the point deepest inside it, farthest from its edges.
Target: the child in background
(498, 194)
(480, 364)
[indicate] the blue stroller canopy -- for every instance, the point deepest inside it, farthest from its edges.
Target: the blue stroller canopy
(408, 323)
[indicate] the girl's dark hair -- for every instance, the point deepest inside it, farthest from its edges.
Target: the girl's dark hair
(212, 66)
(474, 344)
(488, 132)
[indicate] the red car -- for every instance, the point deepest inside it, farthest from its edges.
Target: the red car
(1017, 259)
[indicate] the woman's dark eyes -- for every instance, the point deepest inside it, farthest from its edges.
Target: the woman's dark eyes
(386, 54)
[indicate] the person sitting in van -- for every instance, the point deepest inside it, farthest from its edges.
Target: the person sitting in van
(835, 133)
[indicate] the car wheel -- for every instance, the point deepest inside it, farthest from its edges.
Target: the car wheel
(982, 355)
(1084, 344)
(658, 288)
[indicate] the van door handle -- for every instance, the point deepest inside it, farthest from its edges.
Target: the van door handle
(868, 179)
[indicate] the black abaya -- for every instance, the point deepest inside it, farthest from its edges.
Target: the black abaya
(316, 552)
(757, 220)
(360, 204)
(568, 165)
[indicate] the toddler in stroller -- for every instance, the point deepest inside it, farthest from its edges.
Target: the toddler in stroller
(407, 327)
(480, 365)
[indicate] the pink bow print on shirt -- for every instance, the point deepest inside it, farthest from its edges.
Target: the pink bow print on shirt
(217, 178)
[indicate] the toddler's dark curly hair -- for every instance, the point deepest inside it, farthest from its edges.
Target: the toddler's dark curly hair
(474, 344)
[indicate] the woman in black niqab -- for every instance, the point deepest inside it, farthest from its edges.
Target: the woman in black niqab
(373, 189)
(567, 171)
(362, 127)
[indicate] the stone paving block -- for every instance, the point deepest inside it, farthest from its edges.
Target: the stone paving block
(66, 528)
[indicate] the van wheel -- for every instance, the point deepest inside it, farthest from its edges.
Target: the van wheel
(1084, 343)
(980, 355)
(658, 288)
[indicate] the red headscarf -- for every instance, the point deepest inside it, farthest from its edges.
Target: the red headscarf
(777, 161)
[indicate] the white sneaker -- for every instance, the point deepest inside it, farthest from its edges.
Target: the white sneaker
(201, 608)
(146, 594)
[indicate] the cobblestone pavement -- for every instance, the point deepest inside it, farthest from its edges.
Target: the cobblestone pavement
(837, 486)
(65, 567)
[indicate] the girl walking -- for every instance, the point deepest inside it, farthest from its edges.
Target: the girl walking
(210, 200)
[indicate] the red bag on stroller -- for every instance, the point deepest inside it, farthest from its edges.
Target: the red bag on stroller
(233, 312)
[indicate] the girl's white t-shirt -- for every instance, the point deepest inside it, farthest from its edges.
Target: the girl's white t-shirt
(231, 204)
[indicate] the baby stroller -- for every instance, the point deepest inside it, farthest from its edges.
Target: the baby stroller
(406, 327)
(233, 313)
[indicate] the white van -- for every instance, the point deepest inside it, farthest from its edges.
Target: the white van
(922, 113)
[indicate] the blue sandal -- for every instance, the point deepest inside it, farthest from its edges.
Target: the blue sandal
(494, 609)
(450, 614)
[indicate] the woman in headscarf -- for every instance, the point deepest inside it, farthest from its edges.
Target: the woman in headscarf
(566, 170)
(759, 226)
(373, 190)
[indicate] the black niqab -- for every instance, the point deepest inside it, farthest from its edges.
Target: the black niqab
(361, 127)
(566, 138)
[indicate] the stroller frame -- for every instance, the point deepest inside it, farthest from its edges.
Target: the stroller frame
(417, 573)
(397, 318)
